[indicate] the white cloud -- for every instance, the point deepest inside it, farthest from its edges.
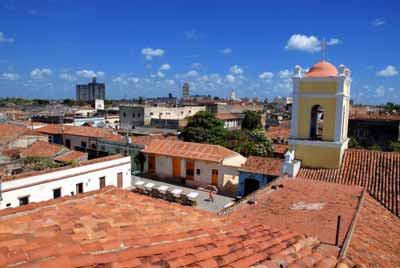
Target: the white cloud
(266, 75)
(4, 39)
(89, 74)
(192, 73)
(285, 74)
(380, 91)
(303, 43)
(171, 82)
(390, 70)
(235, 69)
(230, 78)
(67, 77)
(160, 74)
(149, 53)
(333, 41)
(227, 51)
(124, 79)
(165, 67)
(41, 73)
(10, 76)
(378, 22)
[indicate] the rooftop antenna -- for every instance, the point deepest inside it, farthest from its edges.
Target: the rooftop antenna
(323, 47)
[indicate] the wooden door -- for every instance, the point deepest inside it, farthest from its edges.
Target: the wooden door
(214, 177)
(189, 169)
(152, 164)
(119, 180)
(79, 188)
(102, 181)
(176, 167)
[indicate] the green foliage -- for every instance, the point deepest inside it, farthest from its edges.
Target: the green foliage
(390, 106)
(395, 146)
(16, 101)
(71, 102)
(375, 147)
(252, 120)
(354, 144)
(40, 163)
(205, 128)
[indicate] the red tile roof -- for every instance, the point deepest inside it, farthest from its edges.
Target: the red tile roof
(81, 131)
(385, 117)
(117, 228)
(309, 207)
(379, 172)
(72, 156)
(82, 163)
(42, 149)
(263, 165)
(376, 239)
(274, 132)
(10, 132)
(280, 148)
(190, 150)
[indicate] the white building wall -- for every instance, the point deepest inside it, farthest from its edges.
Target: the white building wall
(40, 187)
(163, 166)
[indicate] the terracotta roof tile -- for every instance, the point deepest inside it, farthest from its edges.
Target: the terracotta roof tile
(263, 165)
(10, 132)
(226, 116)
(72, 156)
(208, 152)
(378, 172)
(367, 116)
(42, 149)
(81, 131)
(161, 234)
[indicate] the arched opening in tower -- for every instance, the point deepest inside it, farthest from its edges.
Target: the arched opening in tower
(317, 122)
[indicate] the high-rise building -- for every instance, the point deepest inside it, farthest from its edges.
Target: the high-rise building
(185, 90)
(91, 91)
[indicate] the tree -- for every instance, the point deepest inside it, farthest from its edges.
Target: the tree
(395, 146)
(262, 144)
(252, 120)
(204, 127)
(353, 143)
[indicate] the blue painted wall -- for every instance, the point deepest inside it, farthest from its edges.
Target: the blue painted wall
(261, 178)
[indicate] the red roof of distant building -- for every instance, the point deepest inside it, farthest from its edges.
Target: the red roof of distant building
(280, 148)
(263, 165)
(274, 132)
(117, 228)
(379, 172)
(42, 149)
(9, 132)
(81, 131)
(72, 156)
(227, 116)
(372, 116)
(322, 69)
(190, 150)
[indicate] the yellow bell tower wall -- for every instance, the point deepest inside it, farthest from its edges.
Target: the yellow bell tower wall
(304, 117)
(318, 156)
(329, 87)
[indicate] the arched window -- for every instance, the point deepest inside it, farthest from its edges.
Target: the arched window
(316, 123)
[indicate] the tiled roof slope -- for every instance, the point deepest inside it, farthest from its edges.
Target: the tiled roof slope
(263, 165)
(376, 239)
(117, 228)
(81, 131)
(309, 207)
(191, 150)
(71, 156)
(42, 149)
(10, 132)
(378, 172)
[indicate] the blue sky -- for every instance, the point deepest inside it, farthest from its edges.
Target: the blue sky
(149, 48)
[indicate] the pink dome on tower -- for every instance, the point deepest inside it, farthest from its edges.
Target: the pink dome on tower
(322, 69)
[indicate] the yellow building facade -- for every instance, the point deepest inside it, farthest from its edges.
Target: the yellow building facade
(320, 114)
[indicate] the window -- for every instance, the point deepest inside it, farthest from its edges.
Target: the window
(102, 182)
(23, 200)
(56, 193)
(124, 114)
(79, 188)
(68, 143)
(94, 146)
(198, 171)
(316, 122)
(133, 115)
(8, 205)
(138, 115)
(151, 113)
(83, 144)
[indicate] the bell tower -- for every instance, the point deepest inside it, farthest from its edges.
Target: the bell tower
(320, 114)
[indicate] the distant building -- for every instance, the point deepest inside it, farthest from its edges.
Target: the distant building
(137, 116)
(232, 95)
(91, 91)
(185, 90)
(231, 121)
